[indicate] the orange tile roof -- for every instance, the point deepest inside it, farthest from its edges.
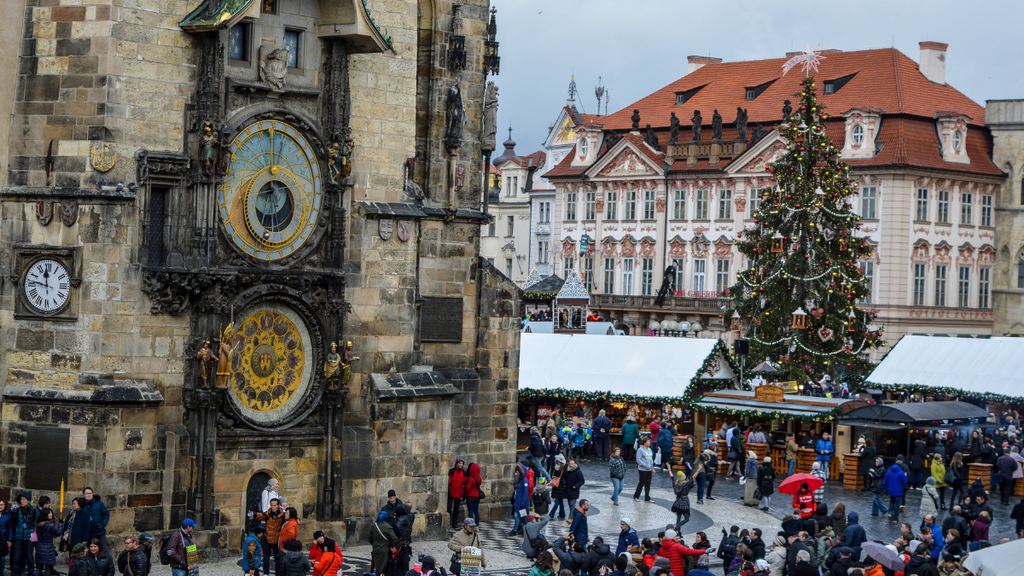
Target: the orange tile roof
(530, 160)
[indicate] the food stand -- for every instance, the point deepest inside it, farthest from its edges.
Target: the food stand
(778, 414)
(620, 374)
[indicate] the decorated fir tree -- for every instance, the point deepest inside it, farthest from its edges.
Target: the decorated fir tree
(798, 299)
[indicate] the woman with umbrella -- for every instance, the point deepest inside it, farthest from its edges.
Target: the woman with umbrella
(766, 482)
(802, 486)
(803, 501)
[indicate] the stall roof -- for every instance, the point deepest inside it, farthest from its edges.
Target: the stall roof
(792, 406)
(1002, 560)
(917, 414)
(986, 368)
(565, 365)
(548, 327)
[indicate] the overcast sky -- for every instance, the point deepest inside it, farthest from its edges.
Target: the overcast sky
(639, 46)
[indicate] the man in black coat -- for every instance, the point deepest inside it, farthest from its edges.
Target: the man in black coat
(797, 542)
(537, 451)
(756, 543)
(956, 521)
(602, 427)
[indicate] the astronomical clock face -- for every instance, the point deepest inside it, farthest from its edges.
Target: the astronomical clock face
(272, 196)
(271, 363)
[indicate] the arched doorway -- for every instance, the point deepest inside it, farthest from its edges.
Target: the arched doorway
(253, 499)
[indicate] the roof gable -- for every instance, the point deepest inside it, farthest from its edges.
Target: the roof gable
(630, 156)
(756, 159)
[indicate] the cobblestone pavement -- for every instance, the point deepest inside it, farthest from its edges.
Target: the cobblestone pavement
(504, 555)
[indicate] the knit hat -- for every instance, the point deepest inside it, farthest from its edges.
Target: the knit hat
(761, 564)
(318, 534)
(392, 493)
(767, 459)
(78, 548)
(626, 521)
(26, 496)
(670, 534)
(703, 560)
(560, 458)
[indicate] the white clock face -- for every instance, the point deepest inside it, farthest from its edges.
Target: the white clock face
(47, 285)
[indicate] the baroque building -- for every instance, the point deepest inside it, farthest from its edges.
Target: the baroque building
(1005, 118)
(668, 183)
(204, 204)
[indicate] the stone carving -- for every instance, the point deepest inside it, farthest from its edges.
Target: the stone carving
(488, 140)
(636, 119)
(160, 163)
(673, 129)
(611, 138)
(273, 66)
(413, 191)
(44, 212)
(786, 110)
(456, 117)
(69, 212)
(741, 123)
(334, 94)
(339, 161)
(759, 133)
(696, 125)
(652, 139)
(716, 126)
(224, 152)
(207, 148)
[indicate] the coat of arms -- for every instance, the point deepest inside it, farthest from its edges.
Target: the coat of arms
(404, 230)
(69, 212)
(460, 177)
(385, 226)
(103, 156)
(44, 212)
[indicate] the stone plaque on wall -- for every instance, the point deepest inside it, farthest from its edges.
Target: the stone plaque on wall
(47, 451)
(441, 320)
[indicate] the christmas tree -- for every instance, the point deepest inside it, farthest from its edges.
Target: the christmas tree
(797, 301)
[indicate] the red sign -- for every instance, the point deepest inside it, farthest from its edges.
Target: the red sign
(698, 294)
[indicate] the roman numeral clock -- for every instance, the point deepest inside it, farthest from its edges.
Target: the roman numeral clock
(48, 279)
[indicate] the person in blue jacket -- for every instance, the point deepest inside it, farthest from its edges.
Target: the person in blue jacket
(96, 510)
(580, 531)
(521, 500)
(78, 524)
(665, 445)
(855, 534)
(825, 450)
(895, 484)
(252, 550)
(627, 537)
(5, 530)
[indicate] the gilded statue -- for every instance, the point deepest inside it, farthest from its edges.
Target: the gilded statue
(206, 359)
(224, 360)
(331, 366)
(346, 364)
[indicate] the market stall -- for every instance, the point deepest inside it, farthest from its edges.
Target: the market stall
(620, 374)
(778, 414)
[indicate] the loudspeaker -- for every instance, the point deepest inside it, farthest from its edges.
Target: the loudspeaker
(743, 347)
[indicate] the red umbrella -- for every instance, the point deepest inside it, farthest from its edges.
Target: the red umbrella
(792, 484)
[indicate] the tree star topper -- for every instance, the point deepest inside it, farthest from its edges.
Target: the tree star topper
(809, 59)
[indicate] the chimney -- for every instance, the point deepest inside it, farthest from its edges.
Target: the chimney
(698, 62)
(933, 61)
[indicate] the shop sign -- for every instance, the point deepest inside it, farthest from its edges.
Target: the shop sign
(769, 393)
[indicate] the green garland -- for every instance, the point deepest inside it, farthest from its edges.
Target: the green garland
(821, 416)
(924, 389)
(527, 295)
(684, 399)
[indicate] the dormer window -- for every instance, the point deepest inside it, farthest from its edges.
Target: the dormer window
(755, 91)
(858, 134)
(682, 97)
(583, 148)
(833, 86)
(956, 140)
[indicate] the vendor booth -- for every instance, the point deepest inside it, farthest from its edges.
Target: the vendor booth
(778, 414)
(622, 375)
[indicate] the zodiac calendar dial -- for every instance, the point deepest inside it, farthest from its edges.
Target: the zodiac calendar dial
(272, 194)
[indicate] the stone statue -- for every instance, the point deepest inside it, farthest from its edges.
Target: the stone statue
(207, 149)
(346, 364)
(224, 360)
(456, 117)
(224, 154)
(716, 126)
(206, 359)
(652, 139)
(759, 133)
(345, 158)
(488, 141)
(786, 110)
(273, 66)
(741, 123)
(331, 366)
(696, 125)
(636, 120)
(673, 133)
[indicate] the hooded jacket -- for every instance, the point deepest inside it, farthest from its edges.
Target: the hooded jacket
(473, 482)
(676, 554)
(46, 553)
(273, 521)
(855, 534)
(600, 555)
(662, 567)
(23, 521)
(521, 500)
(777, 557)
(841, 567)
(571, 561)
(920, 566)
(572, 480)
(456, 480)
(531, 532)
(295, 563)
(580, 530)
(895, 480)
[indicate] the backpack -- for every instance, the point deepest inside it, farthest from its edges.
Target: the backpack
(165, 544)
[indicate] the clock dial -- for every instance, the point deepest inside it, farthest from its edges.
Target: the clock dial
(271, 197)
(47, 285)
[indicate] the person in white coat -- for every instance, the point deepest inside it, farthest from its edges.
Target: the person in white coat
(269, 493)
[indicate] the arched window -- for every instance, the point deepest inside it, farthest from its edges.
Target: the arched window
(1020, 272)
(956, 140)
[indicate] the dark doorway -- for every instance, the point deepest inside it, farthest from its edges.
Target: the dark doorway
(254, 497)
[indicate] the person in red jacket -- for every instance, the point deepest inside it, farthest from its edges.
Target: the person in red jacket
(317, 549)
(456, 491)
(803, 501)
(331, 559)
(473, 482)
(675, 552)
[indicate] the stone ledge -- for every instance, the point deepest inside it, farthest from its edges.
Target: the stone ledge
(409, 210)
(100, 195)
(412, 385)
(126, 392)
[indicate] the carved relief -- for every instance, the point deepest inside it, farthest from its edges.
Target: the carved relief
(761, 161)
(609, 246)
(627, 164)
(646, 246)
(966, 257)
(273, 66)
(921, 251)
(628, 246)
(659, 205)
(741, 205)
(568, 247)
(942, 252)
(723, 249)
(677, 248)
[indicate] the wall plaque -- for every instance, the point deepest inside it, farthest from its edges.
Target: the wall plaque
(47, 451)
(769, 393)
(441, 320)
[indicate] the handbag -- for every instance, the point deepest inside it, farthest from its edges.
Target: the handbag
(455, 565)
(757, 494)
(949, 477)
(997, 478)
(33, 537)
(657, 459)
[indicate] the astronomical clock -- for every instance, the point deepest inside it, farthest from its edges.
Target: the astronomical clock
(273, 192)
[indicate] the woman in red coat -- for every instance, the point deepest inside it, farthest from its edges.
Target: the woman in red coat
(456, 492)
(803, 501)
(330, 559)
(473, 482)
